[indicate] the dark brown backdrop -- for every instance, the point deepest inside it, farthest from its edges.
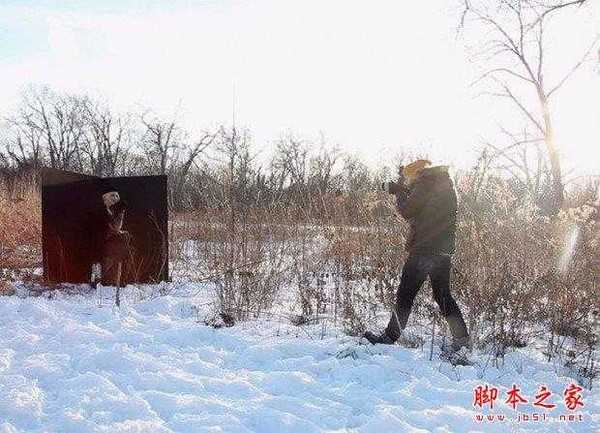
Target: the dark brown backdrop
(68, 201)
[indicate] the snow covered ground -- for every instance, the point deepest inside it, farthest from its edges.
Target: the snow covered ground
(77, 364)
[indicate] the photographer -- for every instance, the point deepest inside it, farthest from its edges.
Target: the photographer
(426, 199)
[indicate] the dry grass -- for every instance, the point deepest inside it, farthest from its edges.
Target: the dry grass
(20, 224)
(6, 288)
(519, 276)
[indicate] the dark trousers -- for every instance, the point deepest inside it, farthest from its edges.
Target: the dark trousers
(416, 270)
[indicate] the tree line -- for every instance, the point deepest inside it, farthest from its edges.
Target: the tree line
(217, 168)
(80, 133)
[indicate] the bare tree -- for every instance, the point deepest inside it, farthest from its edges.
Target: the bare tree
(357, 176)
(323, 177)
(20, 144)
(233, 155)
(66, 131)
(236, 166)
(181, 172)
(291, 164)
(548, 7)
(160, 142)
(524, 159)
(48, 126)
(166, 147)
(516, 62)
(108, 139)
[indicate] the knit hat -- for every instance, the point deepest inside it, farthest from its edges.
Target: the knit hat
(412, 170)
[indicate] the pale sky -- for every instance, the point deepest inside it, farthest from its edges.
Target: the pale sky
(375, 77)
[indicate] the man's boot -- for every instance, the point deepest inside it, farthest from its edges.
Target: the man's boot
(392, 332)
(458, 329)
(383, 338)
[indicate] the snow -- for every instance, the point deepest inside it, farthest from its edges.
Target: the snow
(78, 364)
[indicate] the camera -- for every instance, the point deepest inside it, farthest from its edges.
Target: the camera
(391, 187)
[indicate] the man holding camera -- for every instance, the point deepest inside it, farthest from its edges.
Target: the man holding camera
(426, 199)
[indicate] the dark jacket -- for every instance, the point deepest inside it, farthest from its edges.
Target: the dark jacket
(429, 206)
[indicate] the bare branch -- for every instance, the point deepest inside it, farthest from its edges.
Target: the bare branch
(554, 8)
(509, 94)
(503, 70)
(574, 68)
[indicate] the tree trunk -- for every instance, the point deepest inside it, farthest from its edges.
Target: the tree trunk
(557, 198)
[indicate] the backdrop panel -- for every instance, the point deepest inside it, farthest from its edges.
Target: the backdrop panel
(70, 246)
